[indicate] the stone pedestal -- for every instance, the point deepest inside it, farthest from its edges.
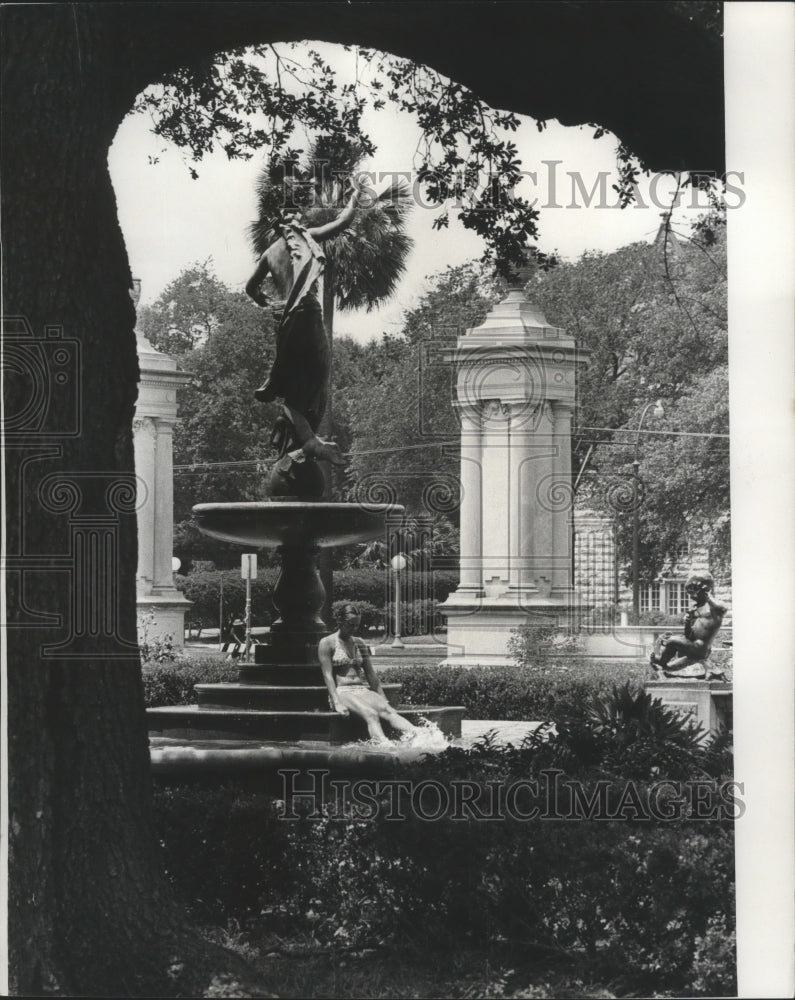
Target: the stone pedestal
(708, 703)
(515, 391)
(153, 424)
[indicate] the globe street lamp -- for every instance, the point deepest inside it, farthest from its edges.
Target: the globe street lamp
(398, 563)
(658, 412)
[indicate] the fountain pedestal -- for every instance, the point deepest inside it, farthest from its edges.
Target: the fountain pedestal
(282, 697)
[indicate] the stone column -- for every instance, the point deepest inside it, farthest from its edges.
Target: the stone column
(495, 502)
(471, 508)
(144, 434)
(562, 500)
(520, 372)
(164, 507)
(155, 413)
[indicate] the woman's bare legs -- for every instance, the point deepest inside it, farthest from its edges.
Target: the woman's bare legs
(373, 708)
(354, 698)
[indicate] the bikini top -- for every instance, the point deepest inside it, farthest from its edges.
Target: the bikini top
(341, 658)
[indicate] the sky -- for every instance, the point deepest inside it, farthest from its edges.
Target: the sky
(170, 221)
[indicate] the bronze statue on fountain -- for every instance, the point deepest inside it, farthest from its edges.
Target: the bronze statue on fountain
(300, 374)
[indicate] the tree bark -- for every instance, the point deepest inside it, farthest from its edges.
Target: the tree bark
(89, 910)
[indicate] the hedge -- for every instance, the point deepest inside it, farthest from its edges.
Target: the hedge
(369, 586)
(513, 693)
(172, 683)
(204, 592)
(372, 585)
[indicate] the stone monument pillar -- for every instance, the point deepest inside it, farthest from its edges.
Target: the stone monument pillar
(515, 391)
(153, 423)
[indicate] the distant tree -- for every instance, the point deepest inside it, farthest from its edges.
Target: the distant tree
(685, 479)
(653, 318)
(222, 449)
(186, 312)
(406, 428)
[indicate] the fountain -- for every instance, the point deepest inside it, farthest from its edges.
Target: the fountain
(281, 697)
(278, 711)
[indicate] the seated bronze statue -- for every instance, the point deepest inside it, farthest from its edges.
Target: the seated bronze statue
(686, 655)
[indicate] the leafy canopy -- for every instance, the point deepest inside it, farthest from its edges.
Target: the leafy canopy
(260, 98)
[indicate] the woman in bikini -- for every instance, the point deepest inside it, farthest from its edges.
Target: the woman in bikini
(352, 682)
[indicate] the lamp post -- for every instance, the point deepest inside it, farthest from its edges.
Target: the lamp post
(658, 412)
(398, 563)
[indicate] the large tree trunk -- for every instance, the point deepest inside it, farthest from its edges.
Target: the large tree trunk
(89, 909)
(88, 906)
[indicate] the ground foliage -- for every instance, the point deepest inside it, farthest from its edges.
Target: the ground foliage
(637, 906)
(508, 692)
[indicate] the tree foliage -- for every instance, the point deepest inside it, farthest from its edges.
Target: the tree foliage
(222, 449)
(653, 318)
(407, 431)
(187, 311)
(258, 98)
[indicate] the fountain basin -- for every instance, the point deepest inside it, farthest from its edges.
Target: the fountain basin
(274, 523)
(219, 722)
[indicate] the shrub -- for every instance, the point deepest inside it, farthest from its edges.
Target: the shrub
(368, 586)
(416, 617)
(172, 683)
(538, 644)
(640, 905)
(204, 591)
(655, 618)
(631, 734)
(372, 617)
(372, 585)
(513, 693)
(155, 648)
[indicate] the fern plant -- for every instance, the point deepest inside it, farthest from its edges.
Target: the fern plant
(631, 733)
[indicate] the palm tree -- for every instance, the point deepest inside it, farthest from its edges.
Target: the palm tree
(365, 262)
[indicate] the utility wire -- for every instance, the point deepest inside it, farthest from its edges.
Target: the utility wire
(200, 466)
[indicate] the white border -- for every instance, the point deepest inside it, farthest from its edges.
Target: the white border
(760, 100)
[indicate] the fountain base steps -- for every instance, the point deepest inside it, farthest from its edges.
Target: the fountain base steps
(200, 722)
